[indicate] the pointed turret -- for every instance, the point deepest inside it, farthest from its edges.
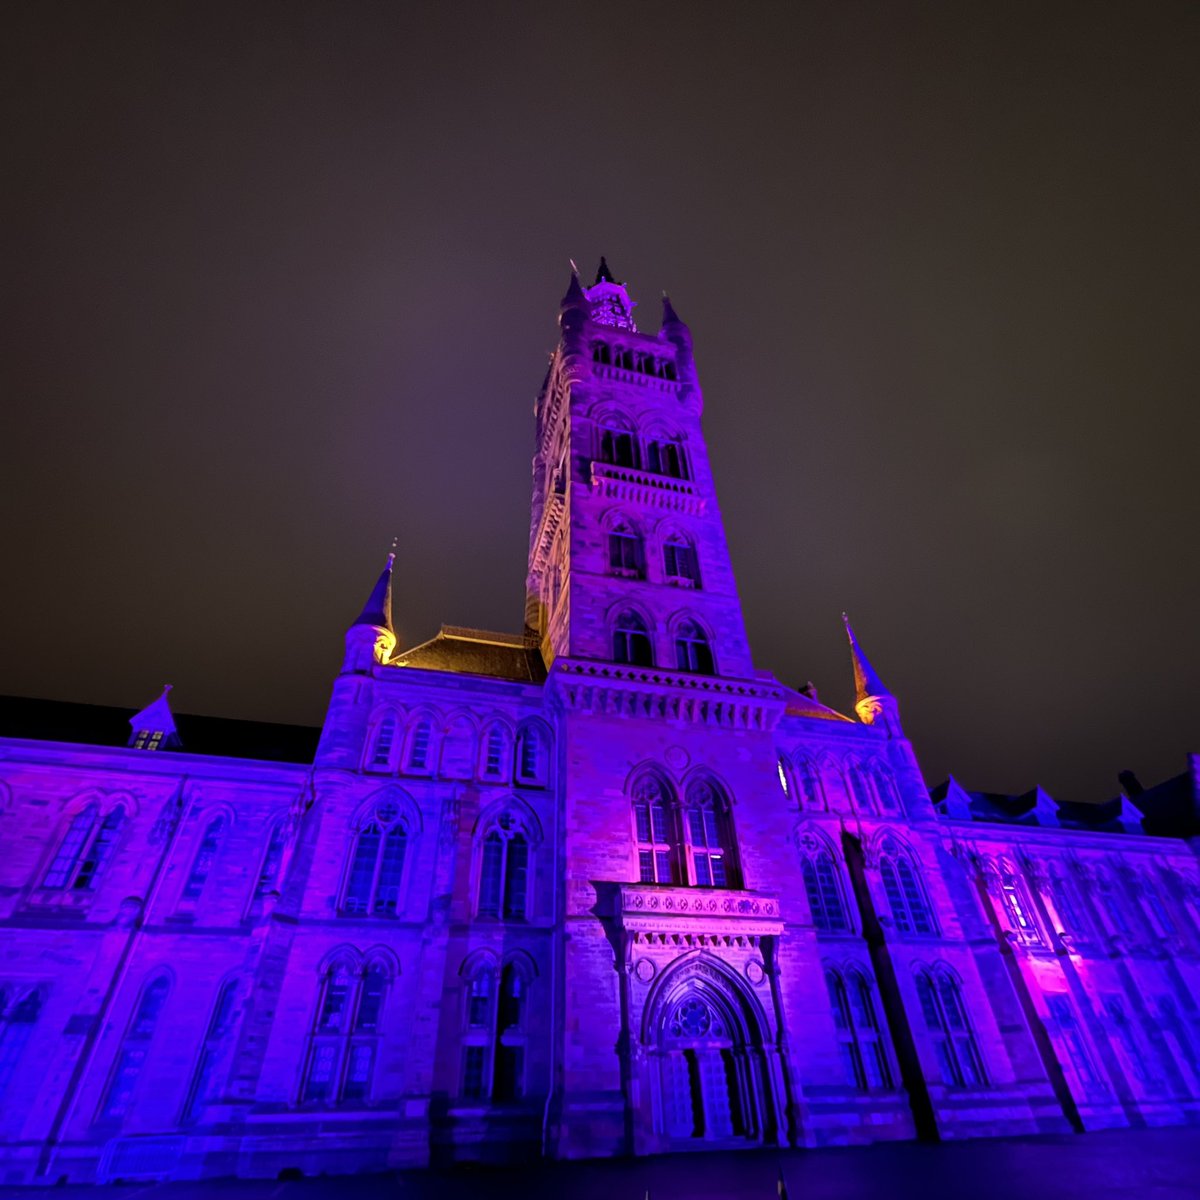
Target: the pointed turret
(872, 700)
(154, 727)
(670, 316)
(603, 274)
(679, 335)
(371, 640)
(574, 296)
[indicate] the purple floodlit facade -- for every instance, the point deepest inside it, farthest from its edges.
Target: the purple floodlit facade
(602, 887)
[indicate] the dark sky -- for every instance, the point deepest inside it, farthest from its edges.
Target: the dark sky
(279, 282)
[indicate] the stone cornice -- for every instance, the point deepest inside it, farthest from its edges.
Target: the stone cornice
(646, 488)
(611, 689)
(650, 908)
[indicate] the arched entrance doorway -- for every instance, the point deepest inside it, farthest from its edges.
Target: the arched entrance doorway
(704, 1054)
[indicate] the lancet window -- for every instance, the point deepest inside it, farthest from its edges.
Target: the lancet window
(692, 650)
(618, 446)
(679, 562)
(1070, 1036)
(625, 556)
(19, 1011)
(665, 457)
(494, 1037)
(857, 1026)
(86, 850)
(1126, 1036)
(946, 1022)
(653, 820)
(206, 855)
(495, 753)
(1018, 909)
(268, 875)
(131, 1057)
(631, 640)
(504, 870)
(212, 1051)
(385, 741)
(1160, 913)
(376, 871)
(710, 837)
(420, 740)
(533, 753)
(344, 1042)
(821, 884)
(905, 893)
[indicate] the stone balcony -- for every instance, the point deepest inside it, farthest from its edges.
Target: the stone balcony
(657, 914)
(642, 379)
(644, 487)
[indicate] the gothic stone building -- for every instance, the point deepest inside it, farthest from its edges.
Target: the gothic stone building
(604, 887)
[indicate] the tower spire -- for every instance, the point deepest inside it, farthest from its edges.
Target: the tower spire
(866, 680)
(370, 640)
(603, 274)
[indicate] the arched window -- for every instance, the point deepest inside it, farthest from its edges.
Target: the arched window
(861, 1047)
(417, 760)
(344, 1042)
(631, 641)
(1112, 902)
(710, 837)
(1164, 923)
(811, 794)
(85, 850)
(203, 862)
(385, 740)
(906, 896)
(268, 875)
(494, 1034)
(131, 1057)
(1126, 1036)
(692, 651)
(665, 457)
(625, 557)
(1068, 1033)
(618, 446)
(600, 353)
(824, 893)
(211, 1052)
(1070, 912)
(495, 753)
(376, 871)
(885, 788)
(1018, 910)
(946, 1021)
(652, 819)
(532, 755)
(19, 1011)
(679, 562)
(504, 870)
(858, 784)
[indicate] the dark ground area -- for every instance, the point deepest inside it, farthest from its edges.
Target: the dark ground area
(1151, 1164)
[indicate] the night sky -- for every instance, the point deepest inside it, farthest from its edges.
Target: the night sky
(280, 279)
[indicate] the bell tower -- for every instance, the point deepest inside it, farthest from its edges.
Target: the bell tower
(628, 561)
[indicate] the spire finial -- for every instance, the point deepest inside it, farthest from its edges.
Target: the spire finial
(603, 273)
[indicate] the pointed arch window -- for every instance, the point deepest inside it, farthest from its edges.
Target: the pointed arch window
(905, 893)
(664, 456)
(1112, 903)
(86, 850)
(135, 1048)
(1070, 1035)
(653, 820)
(1018, 909)
(376, 873)
(1126, 1037)
(808, 780)
(692, 651)
(494, 1038)
(532, 755)
(948, 1028)
(824, 893)
(344, 1043)
(858, 784)
(631, 641)
(679, 562)
(19, 1011)
(419, 742)
(625, 555)
(216, 1038)
(495, 753)
(1163, 922)
(268, 875)
(710, 837)
(504, 870)
(385, 740)
(206, 855)
(857, 1026)
(618, 446)
(1070, 912)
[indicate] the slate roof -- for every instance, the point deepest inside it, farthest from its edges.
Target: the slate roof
(102, 725)
(478, 652)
